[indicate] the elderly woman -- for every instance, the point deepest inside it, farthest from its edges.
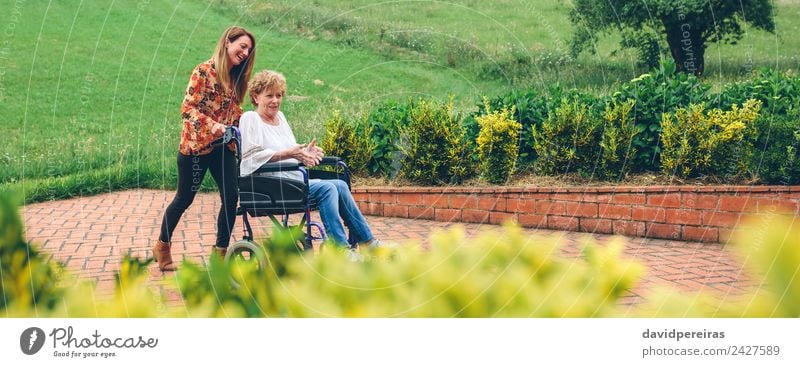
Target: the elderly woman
(267, 137)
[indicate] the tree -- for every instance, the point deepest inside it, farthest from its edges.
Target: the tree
(689, 25)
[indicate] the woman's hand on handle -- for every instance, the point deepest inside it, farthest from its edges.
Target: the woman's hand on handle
(218, 129)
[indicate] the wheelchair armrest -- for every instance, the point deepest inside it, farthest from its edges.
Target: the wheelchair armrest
(278, 167)
(331, 161)
(291, 166)
(341, 171)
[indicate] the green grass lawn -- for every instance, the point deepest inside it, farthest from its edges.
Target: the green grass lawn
(92, 92)
(539, 28)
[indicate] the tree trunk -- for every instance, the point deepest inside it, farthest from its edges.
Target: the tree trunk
(687, 46)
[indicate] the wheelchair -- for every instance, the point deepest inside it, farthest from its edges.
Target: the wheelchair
(263, 195)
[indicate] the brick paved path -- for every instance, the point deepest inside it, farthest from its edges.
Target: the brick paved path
(91, 234)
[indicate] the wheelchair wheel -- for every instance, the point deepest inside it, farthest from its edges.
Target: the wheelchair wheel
(245, 250)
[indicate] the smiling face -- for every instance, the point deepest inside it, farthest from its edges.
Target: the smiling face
(269, 102)
(266, 92)
(239, 49)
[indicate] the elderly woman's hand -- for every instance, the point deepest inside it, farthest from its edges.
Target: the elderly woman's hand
(314, 149)
(305, 156)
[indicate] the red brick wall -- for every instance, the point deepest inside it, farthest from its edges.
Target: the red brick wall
(706, 214)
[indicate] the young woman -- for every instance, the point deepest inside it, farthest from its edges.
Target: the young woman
(212, 102)
(267, 137)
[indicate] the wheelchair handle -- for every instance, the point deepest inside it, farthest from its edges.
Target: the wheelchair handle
(231, 134)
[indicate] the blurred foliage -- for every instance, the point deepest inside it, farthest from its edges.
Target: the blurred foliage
(498, 273)
(768, 247)
(29, 281)
(33, 285)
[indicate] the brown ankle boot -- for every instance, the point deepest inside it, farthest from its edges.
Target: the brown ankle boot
(161, 252)
(220, 251)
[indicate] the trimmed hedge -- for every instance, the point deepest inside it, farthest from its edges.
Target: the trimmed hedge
(605, 137)
(498, 143)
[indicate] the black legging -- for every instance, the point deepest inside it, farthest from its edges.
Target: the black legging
(191, 171)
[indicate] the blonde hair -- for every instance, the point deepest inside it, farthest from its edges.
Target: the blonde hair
(266, 80)
(235, 77)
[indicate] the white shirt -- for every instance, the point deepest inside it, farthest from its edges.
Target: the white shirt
(260, 141)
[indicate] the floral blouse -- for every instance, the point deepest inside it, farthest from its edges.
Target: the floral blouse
(206, 102)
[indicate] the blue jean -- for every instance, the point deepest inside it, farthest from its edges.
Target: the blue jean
(335, 201)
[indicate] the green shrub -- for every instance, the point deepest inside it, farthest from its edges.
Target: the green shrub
(369, 144)
(498, 144)
(350, 140)
(386, 122)
(567, 140)
(776, 159)
(436, 150)
(657, 93)
(777, 149)
(616, 143)
(779, 92)
(530, 109)
(716, 143)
